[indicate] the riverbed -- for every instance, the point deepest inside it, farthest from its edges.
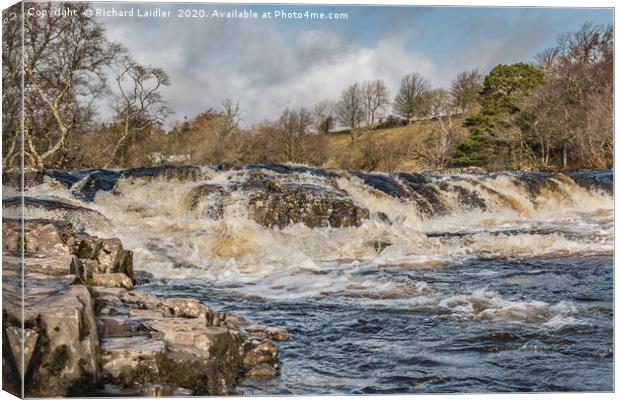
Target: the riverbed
(446, 283)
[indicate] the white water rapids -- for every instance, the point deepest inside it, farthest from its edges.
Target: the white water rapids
(173, 241)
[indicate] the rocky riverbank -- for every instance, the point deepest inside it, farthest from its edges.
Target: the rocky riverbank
(90, 330)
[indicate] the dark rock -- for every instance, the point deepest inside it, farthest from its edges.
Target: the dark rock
(383, 183)
(280, 205)
(292, 169)
(142, 277)
(51, 208)
(466, 198)
(211, 196)
(263, 351)
(381, 216)
(423, 193)
(275, 203)
(379, 245)
(276, 333)
(262, 371)
(601, 180)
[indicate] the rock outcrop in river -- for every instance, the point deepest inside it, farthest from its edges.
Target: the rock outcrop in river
(88, 331)
(278, 204)
(276, 195)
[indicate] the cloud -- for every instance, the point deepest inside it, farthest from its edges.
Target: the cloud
(265, 69)
(516, 40)
(268, 67)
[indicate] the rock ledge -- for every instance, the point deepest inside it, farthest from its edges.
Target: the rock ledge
(88, 331)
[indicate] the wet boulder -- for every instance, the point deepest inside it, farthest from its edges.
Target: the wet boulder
(208, 199)
(260, 352)
(277, 333)
(274, 203)
(261, 359)
(279, 205)
(58, 210)
(262, 371)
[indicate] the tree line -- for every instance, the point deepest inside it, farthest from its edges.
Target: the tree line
(367, 104)
(554, 113)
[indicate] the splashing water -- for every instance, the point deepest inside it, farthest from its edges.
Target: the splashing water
(463, 255)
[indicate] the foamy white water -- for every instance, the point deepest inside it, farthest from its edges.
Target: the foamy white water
(465, 217)
(453, 283)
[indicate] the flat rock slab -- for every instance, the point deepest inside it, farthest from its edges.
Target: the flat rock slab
(191, 336)
(121, 356)
(87, 327)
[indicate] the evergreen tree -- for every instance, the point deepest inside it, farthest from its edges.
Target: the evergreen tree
(503, 89)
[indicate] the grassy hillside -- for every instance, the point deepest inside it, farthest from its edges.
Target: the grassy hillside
(392, 149)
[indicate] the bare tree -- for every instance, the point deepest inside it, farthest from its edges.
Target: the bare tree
(568, 121)
(409, 101)
(548, 58)
(139, 104)
(592, 43)
(324, 116)
(465, 88)
(350, 108)
(444, 136)
(232, 112)
(64, 62)
(294, 126)
(439, 103)
(375, 99)
(11, 86)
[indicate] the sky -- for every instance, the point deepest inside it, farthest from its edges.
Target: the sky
(271, 64)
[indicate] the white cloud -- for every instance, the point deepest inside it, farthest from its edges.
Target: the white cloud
(268, 69)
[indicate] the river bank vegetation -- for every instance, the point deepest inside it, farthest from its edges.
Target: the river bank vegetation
(551, 113)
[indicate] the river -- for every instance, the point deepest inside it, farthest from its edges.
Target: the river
(453, 283)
